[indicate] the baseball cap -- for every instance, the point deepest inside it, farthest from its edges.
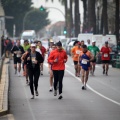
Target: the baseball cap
(33, 45)
(59, 44)
(93, 41)
(51, 40)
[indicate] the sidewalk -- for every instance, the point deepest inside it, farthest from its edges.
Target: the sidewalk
(4, 84)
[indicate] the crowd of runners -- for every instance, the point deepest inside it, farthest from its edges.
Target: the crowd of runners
(32, 56)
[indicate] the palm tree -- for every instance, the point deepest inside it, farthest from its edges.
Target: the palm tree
(77, 18)
(91, 16)
(105, 17)
(117, 24)
(85, 15)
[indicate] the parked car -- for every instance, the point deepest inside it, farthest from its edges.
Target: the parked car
(70, 44)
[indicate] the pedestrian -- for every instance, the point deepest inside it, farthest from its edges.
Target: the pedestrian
(75, 52)
(88, 43)
(33, 60)
(26, 47)
(17, 52)
(58, 58)
(8, 47)
(53, 47)
(43, 51)
(95, 51)
(84, 61)
(105, 51)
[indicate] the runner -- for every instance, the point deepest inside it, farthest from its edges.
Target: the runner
(88, 43)
(84, 60)
(17, 52)
(26, 47)
(43, 51)
(105, 51)
(58, 58)
(33, 60)
(75, 52)
(95, 51)
(50, 69)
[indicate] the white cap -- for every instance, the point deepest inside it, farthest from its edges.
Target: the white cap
(33, 45)
(93, 41)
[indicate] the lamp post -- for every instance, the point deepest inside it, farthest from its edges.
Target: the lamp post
(43, 8)
(25, 18)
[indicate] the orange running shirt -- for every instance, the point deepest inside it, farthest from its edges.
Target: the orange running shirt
(76, 52)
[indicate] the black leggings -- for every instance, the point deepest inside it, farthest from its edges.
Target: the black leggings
(58, 77)
(33, 77)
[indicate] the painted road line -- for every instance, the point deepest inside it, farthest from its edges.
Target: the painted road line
(30, 108)
(10, 117)
(103, 96)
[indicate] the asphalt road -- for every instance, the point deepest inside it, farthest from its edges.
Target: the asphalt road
(101, 100)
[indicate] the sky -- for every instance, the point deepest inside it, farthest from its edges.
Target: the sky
(54, 15)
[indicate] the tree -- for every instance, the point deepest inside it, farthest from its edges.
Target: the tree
(105, 17)
(17, 9)
(77, 18)
(117, 24)
(91, 16)
(85, 15)
(36, 20)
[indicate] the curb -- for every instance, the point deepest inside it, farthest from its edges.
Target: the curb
(5, 87)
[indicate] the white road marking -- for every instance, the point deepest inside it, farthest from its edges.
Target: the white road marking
(10, 117)
(95, 90)
(105, 97)
(30, 108)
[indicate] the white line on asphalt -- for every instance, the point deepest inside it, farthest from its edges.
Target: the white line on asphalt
(10, 117)
(33, 117)
(94, 90)
(91, 88)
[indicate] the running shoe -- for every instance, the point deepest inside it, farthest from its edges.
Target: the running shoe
(83, 87)
(60, 97)
(106, 73)
(55, 93)
(51, 89)
(18, 74)
(36, 93)
(32, 97)
(41, 72)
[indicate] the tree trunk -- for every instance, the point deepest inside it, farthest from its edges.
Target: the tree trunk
(101, 27)
(105, 17)
(91, 17)
(66, 15)
(117, 24)
(71, 19)
(77, 18)
(85, 16)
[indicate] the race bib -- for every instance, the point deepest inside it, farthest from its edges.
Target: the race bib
(33, 59)
(18, 54)
(105, 55)
(84, 61)
(78, 52)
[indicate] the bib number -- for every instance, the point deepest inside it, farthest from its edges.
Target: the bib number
(84, 61)
(78, 52)
(33, 59)
(105, 55)
(18, 54)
